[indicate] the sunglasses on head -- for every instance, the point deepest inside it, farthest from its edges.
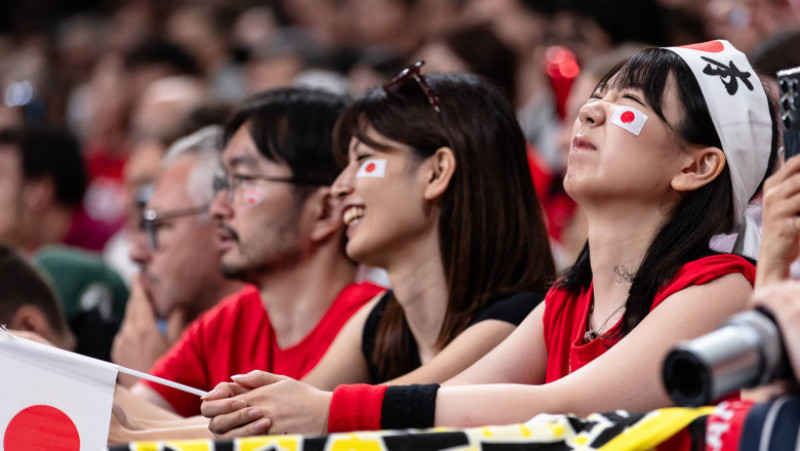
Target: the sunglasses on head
(414, 72)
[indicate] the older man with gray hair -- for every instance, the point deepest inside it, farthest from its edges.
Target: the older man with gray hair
(180, 276)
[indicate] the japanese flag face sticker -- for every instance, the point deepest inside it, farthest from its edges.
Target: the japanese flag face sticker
(373, 167)
(629, 118)
(253, 195)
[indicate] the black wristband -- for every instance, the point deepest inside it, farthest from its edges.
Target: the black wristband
(409, 406)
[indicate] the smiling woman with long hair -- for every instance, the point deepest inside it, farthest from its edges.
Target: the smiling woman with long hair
(453, 218)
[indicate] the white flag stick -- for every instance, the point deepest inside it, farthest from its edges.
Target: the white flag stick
(161, 380)
(122, 369)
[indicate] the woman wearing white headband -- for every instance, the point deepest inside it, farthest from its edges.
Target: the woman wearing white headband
(665, 154)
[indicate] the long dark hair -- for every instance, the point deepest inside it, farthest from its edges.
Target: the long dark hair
(492, 236)
(700, 215)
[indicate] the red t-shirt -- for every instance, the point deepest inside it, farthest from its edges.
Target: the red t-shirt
(236, 337)
(565, 317)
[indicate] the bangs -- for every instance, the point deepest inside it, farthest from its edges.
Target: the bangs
(271, 133)
(648, 72)
(354, 124)
(403, 115)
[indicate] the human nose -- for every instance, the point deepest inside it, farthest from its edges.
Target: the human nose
(343, 185)
(140, 250)
(592, 113)
(221, 205)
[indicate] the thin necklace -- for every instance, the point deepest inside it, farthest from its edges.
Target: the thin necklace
(590, 334)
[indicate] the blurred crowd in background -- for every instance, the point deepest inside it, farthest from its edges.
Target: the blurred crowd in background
(122, 80)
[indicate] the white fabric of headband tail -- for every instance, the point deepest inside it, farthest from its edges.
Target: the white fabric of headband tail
(740, 112)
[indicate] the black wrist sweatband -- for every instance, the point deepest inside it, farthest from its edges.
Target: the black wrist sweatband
(409, 406)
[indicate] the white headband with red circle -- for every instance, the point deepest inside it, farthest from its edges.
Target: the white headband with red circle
(740, 112)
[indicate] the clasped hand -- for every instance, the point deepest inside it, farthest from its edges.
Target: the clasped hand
(258, 403)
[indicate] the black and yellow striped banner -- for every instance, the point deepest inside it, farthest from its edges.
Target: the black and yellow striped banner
(607, 431)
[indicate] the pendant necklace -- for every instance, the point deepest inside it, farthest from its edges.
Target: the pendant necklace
(591, 334)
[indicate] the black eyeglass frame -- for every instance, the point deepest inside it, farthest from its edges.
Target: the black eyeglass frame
(224, 181)
(151, 219)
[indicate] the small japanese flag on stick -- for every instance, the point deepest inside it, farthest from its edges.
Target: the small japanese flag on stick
(57, 400)
(629, 118)
(53, 399)
(374, 167)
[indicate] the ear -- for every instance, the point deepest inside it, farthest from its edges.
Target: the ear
(39, 194)
(440, 168)
(327, 214)
(32, 319)
(703, 165)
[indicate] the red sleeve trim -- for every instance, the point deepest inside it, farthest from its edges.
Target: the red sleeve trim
(356, 408)
(706, 270)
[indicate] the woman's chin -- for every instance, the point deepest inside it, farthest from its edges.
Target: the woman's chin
(361, 254)
(355, 252)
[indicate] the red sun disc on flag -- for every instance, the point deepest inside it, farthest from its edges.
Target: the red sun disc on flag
(710, 46)
(370, 167)
(42, 428)
(627, 117)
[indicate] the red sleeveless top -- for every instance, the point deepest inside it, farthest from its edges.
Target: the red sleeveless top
(565, 316)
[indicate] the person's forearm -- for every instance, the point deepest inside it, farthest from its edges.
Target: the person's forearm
(135, 420)
(185, 432)
(364, 407)
(490, 404)
(144, 424)
(137, 406)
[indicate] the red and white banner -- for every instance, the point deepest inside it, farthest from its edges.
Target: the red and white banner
(53, 399)
(739, 109)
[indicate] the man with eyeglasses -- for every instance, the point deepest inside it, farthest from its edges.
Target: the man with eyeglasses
(278, 229)
(179, 272)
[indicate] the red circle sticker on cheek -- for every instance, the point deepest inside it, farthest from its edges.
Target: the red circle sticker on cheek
(41, 428)
(370, 167)
(627, 117)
